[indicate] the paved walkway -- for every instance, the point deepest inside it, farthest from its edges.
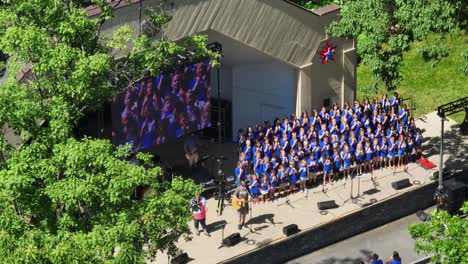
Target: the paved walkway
(267, 220)
(382, 240)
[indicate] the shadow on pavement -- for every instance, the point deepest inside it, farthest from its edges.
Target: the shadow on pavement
(453, 144)
(260, 219)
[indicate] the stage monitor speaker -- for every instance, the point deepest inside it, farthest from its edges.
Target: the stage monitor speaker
(232, 240)
(325, 205)
(290, 229)
(401, 184)
(457, 193)
(181, 259)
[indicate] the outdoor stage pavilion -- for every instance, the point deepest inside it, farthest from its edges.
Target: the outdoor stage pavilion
(271, 65)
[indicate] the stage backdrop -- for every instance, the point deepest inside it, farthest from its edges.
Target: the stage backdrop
(168, 106)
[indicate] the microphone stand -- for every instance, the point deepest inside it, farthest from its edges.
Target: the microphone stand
(222, 234)
(250, 207)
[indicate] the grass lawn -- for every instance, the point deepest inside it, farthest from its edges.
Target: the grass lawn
(428, 86)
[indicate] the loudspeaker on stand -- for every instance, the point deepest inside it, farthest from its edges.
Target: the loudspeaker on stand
(290, 229)
(232, 240)
(325, 205)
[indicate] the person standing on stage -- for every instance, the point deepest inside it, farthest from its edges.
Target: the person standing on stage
(274, 182)
(327, 171)
(241, 196)
(199, 207)
(254, 187)
(264, 187)
(347, 158)
(240, 173)
(240, 140)
(303, 175)
(337, 164)
(312, 167)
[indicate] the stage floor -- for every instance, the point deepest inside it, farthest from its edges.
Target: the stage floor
(266, 222)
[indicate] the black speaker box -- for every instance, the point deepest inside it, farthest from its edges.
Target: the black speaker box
(422, 215)
(231, 240)
(181, 259)
(325, 205)
(457, 193)
(401, 184)
(290, 229)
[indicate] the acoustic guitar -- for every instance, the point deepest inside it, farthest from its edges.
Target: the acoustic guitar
(238, 204)
(189, 155)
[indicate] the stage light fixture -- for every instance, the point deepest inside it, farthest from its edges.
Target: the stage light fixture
(215, 46)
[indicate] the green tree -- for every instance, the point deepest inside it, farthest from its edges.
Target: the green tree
(443, 235)
(63, 199)
(464, 66)
(384, 30)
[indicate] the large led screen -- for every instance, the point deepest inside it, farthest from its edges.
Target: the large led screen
(168, 106)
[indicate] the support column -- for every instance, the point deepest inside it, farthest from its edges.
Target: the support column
(304, 89)
(441, 162)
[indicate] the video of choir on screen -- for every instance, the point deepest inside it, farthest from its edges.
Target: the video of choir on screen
(280, 157)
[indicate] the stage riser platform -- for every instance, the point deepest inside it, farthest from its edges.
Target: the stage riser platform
(353, 224)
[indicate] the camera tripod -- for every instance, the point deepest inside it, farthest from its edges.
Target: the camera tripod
(221, 195)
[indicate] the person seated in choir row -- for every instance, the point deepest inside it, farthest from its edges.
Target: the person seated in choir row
(352, 140)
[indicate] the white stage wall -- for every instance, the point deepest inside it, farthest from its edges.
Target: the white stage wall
(262, 92)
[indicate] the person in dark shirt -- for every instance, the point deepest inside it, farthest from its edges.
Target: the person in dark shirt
(241, 195)
(240, 140)
(403, 115)
(375, 259)
(395, 101)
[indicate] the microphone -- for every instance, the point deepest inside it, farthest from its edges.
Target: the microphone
(221, 158)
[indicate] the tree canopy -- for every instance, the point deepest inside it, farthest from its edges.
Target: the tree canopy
(384, 30)
(443, 235)
(64, 199)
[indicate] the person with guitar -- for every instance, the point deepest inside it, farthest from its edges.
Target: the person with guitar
(191, 149)
(240, 199)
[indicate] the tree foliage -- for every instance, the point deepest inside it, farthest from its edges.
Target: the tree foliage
(64, 199)
(386, 28)
(464, 66)
(75, 205)
(443, 235)
(314, 4)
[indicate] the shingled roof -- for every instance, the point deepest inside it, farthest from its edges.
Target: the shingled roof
(276, 27)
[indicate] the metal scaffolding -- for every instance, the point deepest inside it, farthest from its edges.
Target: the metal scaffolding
(443, 111)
